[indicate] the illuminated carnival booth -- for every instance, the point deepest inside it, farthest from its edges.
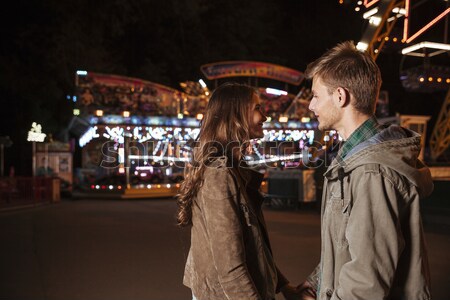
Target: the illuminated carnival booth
(137, 132)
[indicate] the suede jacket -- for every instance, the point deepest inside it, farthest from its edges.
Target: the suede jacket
(228, 257)
(373, 244)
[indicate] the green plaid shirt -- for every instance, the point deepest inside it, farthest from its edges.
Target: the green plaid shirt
(364, 132)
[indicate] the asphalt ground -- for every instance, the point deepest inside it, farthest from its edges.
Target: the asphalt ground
(132, 250)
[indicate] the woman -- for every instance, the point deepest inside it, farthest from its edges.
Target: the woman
(230, 255)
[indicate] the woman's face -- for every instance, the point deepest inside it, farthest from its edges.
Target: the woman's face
(256, 118)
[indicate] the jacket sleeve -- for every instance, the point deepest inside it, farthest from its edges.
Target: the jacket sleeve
(282, 281)
(314, 278)
(222, 218)
(374, 238)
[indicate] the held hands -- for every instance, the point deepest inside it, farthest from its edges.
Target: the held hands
(290, 292)
(303, 291)
(306, 291)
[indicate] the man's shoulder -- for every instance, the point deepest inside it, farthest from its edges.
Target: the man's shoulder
(376, 168)
(386, 172)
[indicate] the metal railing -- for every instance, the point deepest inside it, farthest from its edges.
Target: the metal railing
(28, 190)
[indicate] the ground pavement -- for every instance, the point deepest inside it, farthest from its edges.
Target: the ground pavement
(131, 250)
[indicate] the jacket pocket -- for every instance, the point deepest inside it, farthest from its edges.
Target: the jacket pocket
(340, 213)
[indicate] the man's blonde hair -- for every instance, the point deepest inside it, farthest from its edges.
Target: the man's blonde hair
(345, 66)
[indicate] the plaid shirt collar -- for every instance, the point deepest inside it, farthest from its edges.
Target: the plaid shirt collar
(364, 132)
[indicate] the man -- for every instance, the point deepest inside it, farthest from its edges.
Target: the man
(372, 238)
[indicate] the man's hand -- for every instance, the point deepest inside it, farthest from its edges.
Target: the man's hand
(306, 291)
(290, 292)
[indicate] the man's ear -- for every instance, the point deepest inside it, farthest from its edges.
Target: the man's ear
(342, 97)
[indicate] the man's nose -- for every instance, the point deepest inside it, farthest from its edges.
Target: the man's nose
(311, 106)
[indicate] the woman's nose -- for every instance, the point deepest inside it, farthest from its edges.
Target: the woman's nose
(264, 119)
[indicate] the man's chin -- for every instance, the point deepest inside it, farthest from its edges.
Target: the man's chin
(323, 127)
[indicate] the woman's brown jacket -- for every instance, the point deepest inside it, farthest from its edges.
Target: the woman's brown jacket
(227, 258)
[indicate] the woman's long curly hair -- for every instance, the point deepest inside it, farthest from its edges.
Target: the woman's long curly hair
(224, 131)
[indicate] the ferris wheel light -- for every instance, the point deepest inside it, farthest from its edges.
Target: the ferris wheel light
(438, 46)
(361, 46)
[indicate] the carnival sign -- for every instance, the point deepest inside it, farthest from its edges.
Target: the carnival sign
(228, 69)
(116, 94)
(35, 134)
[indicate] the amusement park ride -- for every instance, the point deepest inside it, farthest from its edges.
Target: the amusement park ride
(136, 135)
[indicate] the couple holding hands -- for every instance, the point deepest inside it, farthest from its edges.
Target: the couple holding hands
(372, 237)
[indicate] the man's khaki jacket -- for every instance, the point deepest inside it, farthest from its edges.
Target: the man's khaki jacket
(372, 237)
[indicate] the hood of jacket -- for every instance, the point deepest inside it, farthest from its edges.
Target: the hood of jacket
(394, 147)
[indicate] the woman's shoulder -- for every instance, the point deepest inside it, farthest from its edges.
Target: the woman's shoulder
(217, 162)
(218, 176)
(217, 169)
(218, 166)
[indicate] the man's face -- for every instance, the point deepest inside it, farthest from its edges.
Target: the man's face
(256, 118)
(323, 106)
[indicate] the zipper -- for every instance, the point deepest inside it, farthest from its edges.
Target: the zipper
(246, 214)
(341, 175)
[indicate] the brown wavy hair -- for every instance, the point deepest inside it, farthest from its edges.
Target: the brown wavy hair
(224, 132)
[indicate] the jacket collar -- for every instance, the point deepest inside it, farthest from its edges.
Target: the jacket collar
(252, 178)
(403, 144)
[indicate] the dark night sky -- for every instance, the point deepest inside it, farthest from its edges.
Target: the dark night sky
(44, 42)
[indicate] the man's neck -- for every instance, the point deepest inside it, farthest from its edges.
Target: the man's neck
(351, 123)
